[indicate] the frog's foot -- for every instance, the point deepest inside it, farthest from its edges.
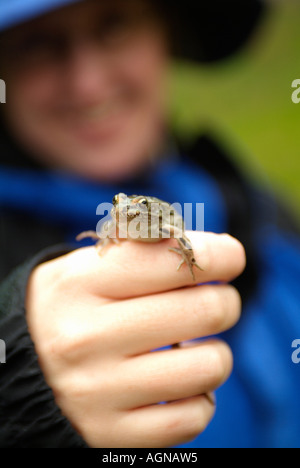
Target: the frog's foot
(101, 243)
(187, 258)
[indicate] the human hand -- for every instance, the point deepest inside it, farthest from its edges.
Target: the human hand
(95, 321)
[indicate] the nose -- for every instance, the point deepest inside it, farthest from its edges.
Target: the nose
(86, 72)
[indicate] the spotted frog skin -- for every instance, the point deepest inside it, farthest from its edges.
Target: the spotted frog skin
(142, 218)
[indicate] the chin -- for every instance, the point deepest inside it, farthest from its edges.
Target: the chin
(114, 161)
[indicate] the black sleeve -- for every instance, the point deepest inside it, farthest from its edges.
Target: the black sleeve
(29, 416)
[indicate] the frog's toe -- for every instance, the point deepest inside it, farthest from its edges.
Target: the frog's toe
(180, 265)
(101, 245)
(194, 263)
(183, 261)
(178, 251)
(87, 235)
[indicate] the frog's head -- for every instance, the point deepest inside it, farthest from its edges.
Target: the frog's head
(129, 207)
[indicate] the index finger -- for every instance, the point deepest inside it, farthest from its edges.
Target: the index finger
(134, 269)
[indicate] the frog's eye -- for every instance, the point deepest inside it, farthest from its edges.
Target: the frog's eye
(144, 201)
(115, 200)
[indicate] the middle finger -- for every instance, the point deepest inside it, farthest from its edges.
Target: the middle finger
(163, 319)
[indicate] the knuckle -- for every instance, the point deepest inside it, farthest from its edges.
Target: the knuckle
(63, 349)
(76, 388)
(70, 346)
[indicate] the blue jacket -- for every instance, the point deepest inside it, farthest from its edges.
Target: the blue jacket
(258, 406)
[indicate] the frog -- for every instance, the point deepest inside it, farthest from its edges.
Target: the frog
(155, 219)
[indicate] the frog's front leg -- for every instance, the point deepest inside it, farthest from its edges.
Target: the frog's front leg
(106, 236)
(185, 249)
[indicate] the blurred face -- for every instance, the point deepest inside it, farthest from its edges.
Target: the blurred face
(85, 87)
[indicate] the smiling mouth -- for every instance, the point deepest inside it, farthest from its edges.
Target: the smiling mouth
(98, 113)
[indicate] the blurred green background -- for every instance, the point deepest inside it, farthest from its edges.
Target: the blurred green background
(246, 101)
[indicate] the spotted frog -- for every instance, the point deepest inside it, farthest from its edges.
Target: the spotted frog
(145, 219)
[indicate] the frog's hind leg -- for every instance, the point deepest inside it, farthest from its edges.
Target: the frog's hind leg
(186, 251)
